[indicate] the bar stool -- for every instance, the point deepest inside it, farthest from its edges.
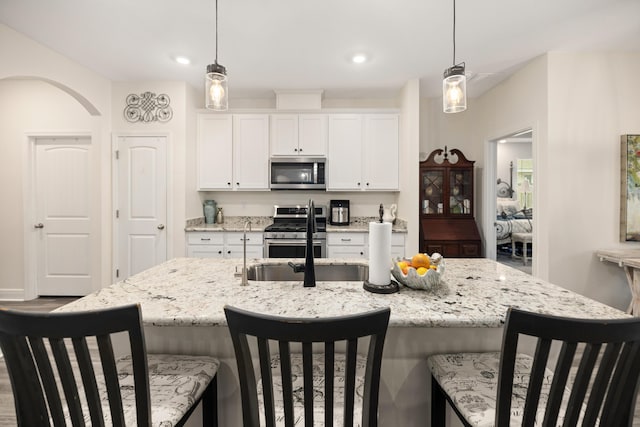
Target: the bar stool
(525, 239)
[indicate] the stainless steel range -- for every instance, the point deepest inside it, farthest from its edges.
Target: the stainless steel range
(286, 237)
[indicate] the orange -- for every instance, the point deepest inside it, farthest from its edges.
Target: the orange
(420, 260)
(404, 267)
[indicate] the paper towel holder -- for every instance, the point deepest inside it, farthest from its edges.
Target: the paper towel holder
(391, 288)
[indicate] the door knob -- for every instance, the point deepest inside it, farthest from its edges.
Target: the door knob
(39, 225)
(161, 227)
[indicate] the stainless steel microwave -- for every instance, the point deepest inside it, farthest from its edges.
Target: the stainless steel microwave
(299, 173)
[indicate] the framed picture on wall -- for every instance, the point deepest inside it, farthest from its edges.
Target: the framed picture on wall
(630, 188)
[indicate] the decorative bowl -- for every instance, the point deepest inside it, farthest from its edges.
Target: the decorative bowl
(430, 281)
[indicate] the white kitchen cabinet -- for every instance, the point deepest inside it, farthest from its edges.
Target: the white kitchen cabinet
(234, 244)
(227, 244)
(380, 152)
(298, 134)
(251, 151)
(356, 245)
(205, 245)
(232, 150)
(363, 152)
(397, 245)
(344, 165)
(215, 151)
(347, 245)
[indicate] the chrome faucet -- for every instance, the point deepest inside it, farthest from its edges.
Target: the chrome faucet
(244, 254)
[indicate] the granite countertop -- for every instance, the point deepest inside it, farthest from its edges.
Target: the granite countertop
(194, 291)
(258, 223)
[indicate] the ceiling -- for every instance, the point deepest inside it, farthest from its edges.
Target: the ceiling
(308, 44)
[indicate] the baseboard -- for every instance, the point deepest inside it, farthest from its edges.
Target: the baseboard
(12, 295)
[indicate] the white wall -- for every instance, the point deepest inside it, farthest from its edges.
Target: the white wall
(176, 130)
(29, 106)
(593, 99)
(408, 207)
(578, 106)
(74, 99)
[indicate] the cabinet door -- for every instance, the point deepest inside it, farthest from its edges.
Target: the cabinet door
(214, 151)
(284, 134)
(312, 135)
(345, 152)
(380, 152)
(205, 251)
(251, 151)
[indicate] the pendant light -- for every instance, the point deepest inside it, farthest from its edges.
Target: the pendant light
(454, 85)
(216, 91)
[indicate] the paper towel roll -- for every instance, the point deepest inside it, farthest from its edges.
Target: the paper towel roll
(379, 253)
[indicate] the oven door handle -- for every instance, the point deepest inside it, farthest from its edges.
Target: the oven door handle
(290, 242)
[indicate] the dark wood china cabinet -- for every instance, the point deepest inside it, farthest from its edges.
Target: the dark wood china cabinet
(447, 223)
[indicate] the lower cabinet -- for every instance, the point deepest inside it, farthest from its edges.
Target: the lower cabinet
(356, 245)
(347, 245)
(228, 244)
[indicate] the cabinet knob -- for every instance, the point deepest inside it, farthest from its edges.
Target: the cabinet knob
(228, 252)
(367, 184)
(39, 225)
(295, 149)
(220, 252)
(300, 150)
(229, 184)
(361, 253)
(358, 184)
(161, 227)
(237, 184)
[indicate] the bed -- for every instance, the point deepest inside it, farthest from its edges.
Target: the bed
(511, 218)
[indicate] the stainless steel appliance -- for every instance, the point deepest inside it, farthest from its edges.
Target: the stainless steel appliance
(339, 212)
(300, 173)
(286, 237)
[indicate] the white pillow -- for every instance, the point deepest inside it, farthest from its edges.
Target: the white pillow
(508, 206)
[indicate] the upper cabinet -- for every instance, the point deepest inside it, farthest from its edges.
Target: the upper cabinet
(215, 151)
(299, 135)
(363, 152)
(232, 151)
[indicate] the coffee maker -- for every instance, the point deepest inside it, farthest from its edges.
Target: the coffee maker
(339, 212)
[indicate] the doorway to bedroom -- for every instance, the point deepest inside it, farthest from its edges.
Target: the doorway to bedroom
(514, 202)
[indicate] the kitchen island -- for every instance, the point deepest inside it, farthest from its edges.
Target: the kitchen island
(182, 308)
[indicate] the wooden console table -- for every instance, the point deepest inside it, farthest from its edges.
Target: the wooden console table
(629, 259)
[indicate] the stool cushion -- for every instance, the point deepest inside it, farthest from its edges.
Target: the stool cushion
(521, 237)
(471, 382)
(175, 383)
(318, 392)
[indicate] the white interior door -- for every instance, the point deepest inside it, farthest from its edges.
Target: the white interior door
(63, 220)
(141, 203)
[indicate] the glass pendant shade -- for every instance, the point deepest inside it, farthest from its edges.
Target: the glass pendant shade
(454, 90)
(216, 93)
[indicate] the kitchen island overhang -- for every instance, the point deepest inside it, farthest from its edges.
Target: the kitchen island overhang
(182, 304)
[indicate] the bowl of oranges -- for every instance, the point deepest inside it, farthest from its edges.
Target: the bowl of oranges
(420, 272)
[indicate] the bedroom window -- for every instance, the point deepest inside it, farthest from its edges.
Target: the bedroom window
(524, 191)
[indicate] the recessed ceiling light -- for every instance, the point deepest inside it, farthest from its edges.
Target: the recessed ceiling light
(359, 58)
(502, 141)
(183, 60)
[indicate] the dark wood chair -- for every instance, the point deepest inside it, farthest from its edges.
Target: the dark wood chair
(63, 370)
(321, 382)
(592, 381)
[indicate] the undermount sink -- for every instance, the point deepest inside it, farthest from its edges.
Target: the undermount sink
(324, 273)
